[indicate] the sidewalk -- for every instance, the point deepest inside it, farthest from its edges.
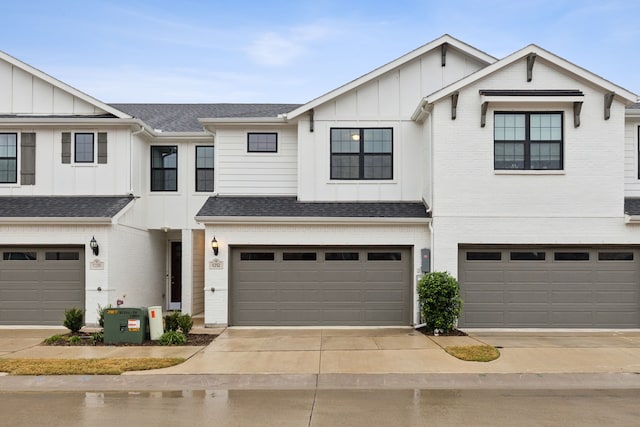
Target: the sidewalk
(361, 352)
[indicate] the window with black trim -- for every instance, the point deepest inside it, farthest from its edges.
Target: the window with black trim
(527, 256)
(19, 256)
(361, 153)
(8, 158)
(341, 256)
(299, 256)
(83, 147)
(257, 256)
(204, 168)
(262, 142)
(571, 256)
(615, 256)
(528, 141)
(484, 256)
(164, 168)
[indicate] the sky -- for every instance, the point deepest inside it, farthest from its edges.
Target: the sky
(187, 51)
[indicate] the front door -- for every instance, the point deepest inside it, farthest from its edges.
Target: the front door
(175, 301)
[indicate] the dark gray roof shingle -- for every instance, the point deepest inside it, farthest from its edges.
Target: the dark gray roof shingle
(184, 117)
(291, 207)
(62, 206)
(632, 206)
(635, 106)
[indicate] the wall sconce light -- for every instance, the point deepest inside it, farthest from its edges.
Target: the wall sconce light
(214, 246)
(94, 246)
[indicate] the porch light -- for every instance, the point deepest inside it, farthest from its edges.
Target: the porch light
(94, 246)
(214, 246)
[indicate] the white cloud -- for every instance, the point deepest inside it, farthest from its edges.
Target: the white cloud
(273, 50)
(277, 50)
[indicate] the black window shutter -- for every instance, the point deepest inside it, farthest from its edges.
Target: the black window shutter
(28, 158)
(102, 147)
(66, 147)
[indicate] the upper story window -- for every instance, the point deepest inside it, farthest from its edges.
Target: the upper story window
(204, 168)
(83, 148)
(164, 168)
(262, 142)
(362, 153)
(529, 141)
(8, 158)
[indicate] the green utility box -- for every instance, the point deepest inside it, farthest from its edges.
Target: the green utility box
(126, 325)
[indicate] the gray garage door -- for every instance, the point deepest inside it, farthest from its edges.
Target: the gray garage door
(38, 284)
(559, 287)
(320, 286)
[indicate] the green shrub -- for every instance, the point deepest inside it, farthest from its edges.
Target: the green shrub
(101, 310)
(185, 321)
(74, 339)
(440, 303)
(173, 338)
(97, 337)
(171, 321)
(74, 319)
(53, 339)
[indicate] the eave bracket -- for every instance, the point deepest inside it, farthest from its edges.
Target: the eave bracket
(311, 120)
(454, 105)
(483, 114)
(608, 100)
(443, 51)
(531, 59)
(577, 108)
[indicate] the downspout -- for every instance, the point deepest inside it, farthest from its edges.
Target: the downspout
(131, 157)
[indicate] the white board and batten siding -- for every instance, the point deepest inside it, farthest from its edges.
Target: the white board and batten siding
(24, 93)
(239, 172)
(631, 159)
(387, 101)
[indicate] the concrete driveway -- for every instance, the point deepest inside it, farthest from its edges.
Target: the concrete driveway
(406, 351)
(340, 352)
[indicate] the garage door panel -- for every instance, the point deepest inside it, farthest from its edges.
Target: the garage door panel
(551, 293)
(572, 297)
(526, 276)
(620, 297)
(341, 287)
(527, 297)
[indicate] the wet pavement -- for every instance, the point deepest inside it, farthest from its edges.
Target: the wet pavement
(297, 408)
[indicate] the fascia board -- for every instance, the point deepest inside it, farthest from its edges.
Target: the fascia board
(61, 85)
(307, 220)
(627, 96)
(481, 56)
(75, 121)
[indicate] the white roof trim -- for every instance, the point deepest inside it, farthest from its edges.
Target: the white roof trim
(243, 121)
(65, 87)
(620, 92)
(481, 56)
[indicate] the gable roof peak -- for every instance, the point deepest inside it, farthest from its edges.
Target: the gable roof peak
(444, 39)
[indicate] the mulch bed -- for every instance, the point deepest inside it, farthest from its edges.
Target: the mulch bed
(85, 340)
(452, 333)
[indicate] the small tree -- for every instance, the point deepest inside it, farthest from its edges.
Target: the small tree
(74, 319)
(440, 303)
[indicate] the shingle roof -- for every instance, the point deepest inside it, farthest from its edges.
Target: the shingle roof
(290, 207)
(635, 106)
(632, 206)
(62, 206)
(184, 117)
